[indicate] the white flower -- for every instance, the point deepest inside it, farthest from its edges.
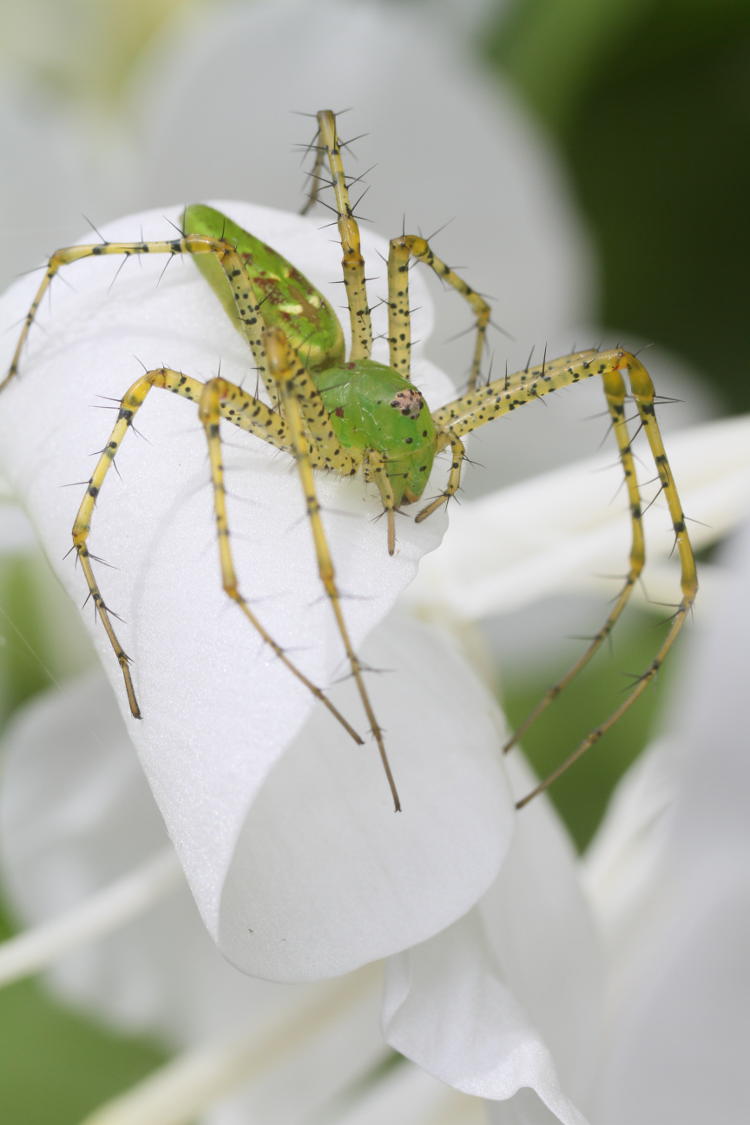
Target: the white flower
(293, 853)
(166, 479)
(668, 874)
(219, 708)
(510, 996)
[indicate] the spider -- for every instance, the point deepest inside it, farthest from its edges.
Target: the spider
(349, 414)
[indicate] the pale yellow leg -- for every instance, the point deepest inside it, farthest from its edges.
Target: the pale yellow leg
(214, 395)
(502, 396)
(375, 470)
(402, 250)
(614, 386)
(286, 368)
(316, 179)
(454, 476)
(248, 310)
(352, 261)
(217, 398)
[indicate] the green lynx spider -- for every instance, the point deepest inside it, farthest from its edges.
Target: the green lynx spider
(345, 414)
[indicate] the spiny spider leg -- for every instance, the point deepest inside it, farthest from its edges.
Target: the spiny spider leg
(375, 470)
(504, 395)
(298, 347)
(314, 174)
(247, 309)
(401, 250)
(615, 394)
(519, 380)
(458, 453)
(352, 261)
(292, 379)
(216, 398)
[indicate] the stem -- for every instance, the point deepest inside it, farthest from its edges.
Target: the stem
(107, 910)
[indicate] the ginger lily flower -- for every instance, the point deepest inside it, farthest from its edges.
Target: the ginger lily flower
(667, 874)
(550, 263)
(318, 873)
(667, 880)
(205, 680)
(522, 1017)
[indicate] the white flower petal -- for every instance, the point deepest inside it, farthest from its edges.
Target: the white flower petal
(161, 975)
(508, 997)
(679, 1017)
(403, 877)
(560, 979)
(403, 1093)
(16, 533)
(194, 1081)
(309, 1064)
(448, 1008)
(560, 530)
(72, 791)
(218, 708)
(620, 861)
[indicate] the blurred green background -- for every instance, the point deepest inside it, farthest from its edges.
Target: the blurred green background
(649, 106)
(647, 103)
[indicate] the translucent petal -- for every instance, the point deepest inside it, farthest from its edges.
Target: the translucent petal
(564, 530)
(218, 708)
(679, 1013)
(510, 996)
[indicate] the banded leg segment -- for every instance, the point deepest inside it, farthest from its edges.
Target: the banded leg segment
(287, 370)
(375, 470)
(458, 453)
(215, 399)
(352, 261)
(314, 175)
(504, 395)
(614, 389)
(248, 309)
(401, 251)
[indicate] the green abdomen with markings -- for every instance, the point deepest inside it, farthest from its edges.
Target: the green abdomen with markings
(371, 407)
(288, 300)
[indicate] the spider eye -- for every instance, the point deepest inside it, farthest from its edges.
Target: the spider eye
(409, 402)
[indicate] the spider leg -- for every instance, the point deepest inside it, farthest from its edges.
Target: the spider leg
(314, 175)
(401, 251)
(352, 261)
(292, 379)
(214, 396)
(504, 395)
(215, 399)
(507, 393)
(615, 395)
(454, 475)
(375, 470)
(247, 309)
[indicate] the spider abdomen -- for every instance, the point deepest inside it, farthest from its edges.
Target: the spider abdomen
(288, 299)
